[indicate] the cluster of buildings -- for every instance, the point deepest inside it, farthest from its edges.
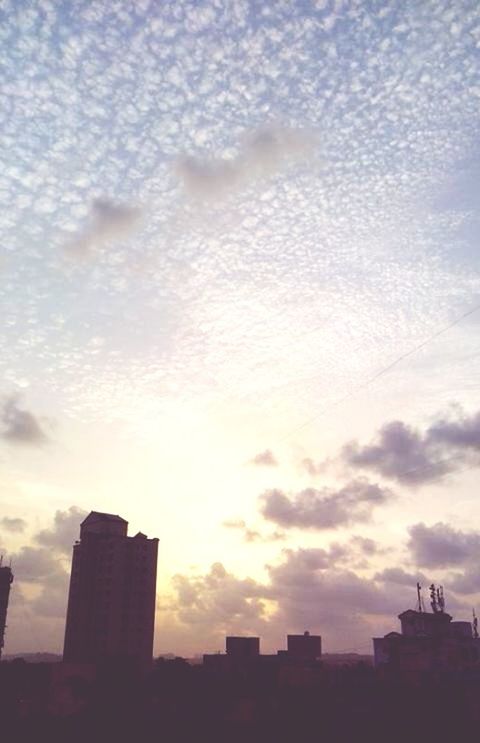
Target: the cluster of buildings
(111, 610)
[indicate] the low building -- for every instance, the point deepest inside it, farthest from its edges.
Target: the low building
(295, 665)
(243, 647)
(304, 647)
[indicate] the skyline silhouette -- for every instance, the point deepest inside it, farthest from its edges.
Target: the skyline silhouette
(239, 304)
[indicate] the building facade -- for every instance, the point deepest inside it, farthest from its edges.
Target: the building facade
(6, 580)
(111, 602)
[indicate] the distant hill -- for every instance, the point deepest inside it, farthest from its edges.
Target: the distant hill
(34, 657)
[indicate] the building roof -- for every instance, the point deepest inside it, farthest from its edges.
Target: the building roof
(98, 516)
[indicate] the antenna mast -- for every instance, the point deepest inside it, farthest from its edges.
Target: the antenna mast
(433, 599)
(420, 606)
(440, 599)
(475, 625)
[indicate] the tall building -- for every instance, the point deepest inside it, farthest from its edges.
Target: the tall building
(111, 602)
(6, 579)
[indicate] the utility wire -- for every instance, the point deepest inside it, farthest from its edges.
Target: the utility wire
(367, 382)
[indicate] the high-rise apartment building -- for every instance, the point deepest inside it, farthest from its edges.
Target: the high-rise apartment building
(111, 602)
(6, 579)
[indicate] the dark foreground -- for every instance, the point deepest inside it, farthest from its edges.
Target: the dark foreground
(179, 703)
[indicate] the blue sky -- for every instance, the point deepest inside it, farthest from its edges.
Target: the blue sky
(222, 219)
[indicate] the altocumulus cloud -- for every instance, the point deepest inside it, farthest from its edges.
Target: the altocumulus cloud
(325, 508)
(405, 454)
(20, 426)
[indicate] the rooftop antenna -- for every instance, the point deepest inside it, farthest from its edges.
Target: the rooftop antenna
(440, 599)
(475, 625)
(433, 599)
(420, 604)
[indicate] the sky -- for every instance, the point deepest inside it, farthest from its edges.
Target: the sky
(240, 307)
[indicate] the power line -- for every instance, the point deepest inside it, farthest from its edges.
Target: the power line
(367, 382)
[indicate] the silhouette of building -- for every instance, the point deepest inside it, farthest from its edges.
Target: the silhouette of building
(304, 647)
(243, 647)
(111, 602)
(296, 665)
(429, 642)
(6, 579)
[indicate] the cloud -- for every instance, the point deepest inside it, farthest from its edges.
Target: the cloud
(33, 564)
(65, 530)
(219, 602)
(13, 524)
(307, 589)
(252, 535)
(324, 509)
(441, 545)
(399, 576)
(45, 565)
(365, 545)
(19, 426)
(108, 221)
(407, 455)
(265, 458)
(313, 468)
(261, 154)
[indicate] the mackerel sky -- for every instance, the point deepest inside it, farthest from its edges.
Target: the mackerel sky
(224, 225)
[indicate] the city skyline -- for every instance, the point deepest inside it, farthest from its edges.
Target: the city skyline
(239, 299)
